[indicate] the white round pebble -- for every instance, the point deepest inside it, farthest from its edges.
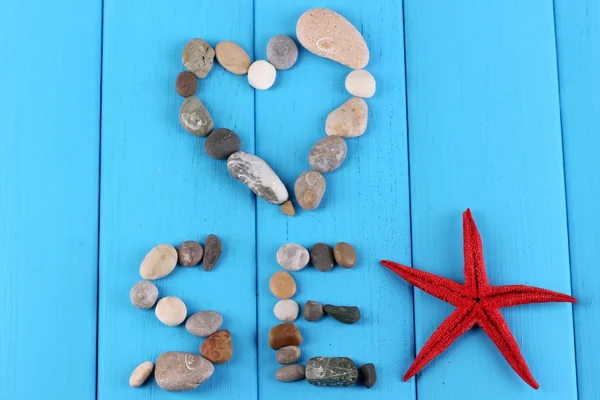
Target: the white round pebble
(140, 374)
(261, 75)
(171, 311)
(361, 83)
(292, 256)
(286, 310)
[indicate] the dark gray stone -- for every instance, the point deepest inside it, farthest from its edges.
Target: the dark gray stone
(321, 257)
(282, 52)
(189, 253)
(221, 143)
(177, 371)
(368, 376)
(198, 57)
(212, 252)
(290, 373)
(194, 117)
(312, 310)
(331, 371)
(143, 294)
(254, 172)
(345, 314)
(327, 154)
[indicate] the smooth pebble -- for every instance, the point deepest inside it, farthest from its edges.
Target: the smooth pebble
(331, 371)
(195, 118)
(140, 374)
(282, 285)
(288, 354)
(254, 172)
(178, 371)
(221, 143)
(361, 83)
(290, 373)
(212, 252)
(288, 208)
(286, 310)
(186, 84)
(198, 57)
(218, 348)
(312, 310)
(204, 323)
(321, 257)
(345, 255)
(232, 57)
(143, 294)
(327, 154)
(171, 311)
(309, 189)
(261, 75)
(284, 335)
(159, 262)
(348, 120)
(189, 253)
(345, 314)
(368, 375)
(292, 257)
(282, 52)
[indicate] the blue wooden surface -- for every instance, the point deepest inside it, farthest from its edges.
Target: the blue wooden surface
(503, 114)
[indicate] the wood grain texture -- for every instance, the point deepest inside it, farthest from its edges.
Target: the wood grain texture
(49, 141)
(484, 132)
(365, 204)
(159, 186)
(578, 41)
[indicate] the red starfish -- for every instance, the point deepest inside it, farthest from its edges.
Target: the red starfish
(477, 302)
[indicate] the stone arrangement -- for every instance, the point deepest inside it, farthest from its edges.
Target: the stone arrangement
(322, 32)
(294, 257)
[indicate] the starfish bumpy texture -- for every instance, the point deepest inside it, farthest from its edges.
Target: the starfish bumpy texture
(477, 303)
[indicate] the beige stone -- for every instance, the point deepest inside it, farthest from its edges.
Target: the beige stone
(159, 262)
(288, 208)
(171, 311)
(232, 57)
(282, 285)
(178, 371)
(310, 189)
(140, 374)
(348, 120)
(361, 83)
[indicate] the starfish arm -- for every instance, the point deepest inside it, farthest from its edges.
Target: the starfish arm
(461, 320)
(435, 285)
(494, 325)
(475, 276)
(514, 295)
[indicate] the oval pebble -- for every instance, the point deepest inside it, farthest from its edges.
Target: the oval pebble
(290, 373)
(143, 294)
(212, 252)
(288, 354)
(284, 335)
(177, 371)
(140, 374)
(186, 84)
(218, 348)
(171, 311)
(159, 262)
(221, 143)
(232, 57)
(282, 285)
(286, 310)
(349, 119)
(198, 57)
(309, 189)
(368, 375)
(292, 257)
(331, 371)
(204, 323)
(327, 154)
(194, 117)
(261, 75)
(254, 172)
(361, 83)
(312, 310)
(189, 253)
(345, 255)
(321, 257)
(282, 52)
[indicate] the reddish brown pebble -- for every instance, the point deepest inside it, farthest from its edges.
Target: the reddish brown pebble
(186, 84)
(284, 335)
(344, 255)
(189, 253)
(217, 347)
(282, 285)
(288, 208)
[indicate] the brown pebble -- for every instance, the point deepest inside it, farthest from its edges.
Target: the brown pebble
(288, 208)
(344, 255)
(212, 251)
(186, 84)
(189, 253)
(282, 285)
(217, 347)
(284, 335)
(232, 57)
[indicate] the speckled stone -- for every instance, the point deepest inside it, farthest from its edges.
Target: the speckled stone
(195, 118)
(361, 83)
(179, 371)
(221, 143)
(327, 154)
(292, 257)
(331, 371)
(212, 252)
(282, 285)
(218, 348)
(189, 253)
(258, 176)
(186, 84)
(286, 310)
(348, 120)
(345, 314)
(368, 376)
(261, 75)
(171, 311)
(159, 262)
(140, 374)
(282, 52)
(198, 57)
(204, 323)
(232, 57)
(288, 354)
(290, 373)
(312, 310)
(309, 189)
(284, 335)
(321, 257)
(345, 255)
(288, 208)
(327, 34)
(143, 294)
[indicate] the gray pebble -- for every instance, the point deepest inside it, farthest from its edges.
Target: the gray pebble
(254, 172)
(221, 143)
(331, 371)
(312, 310)
(204, 323)
(288, 354)
(143, 294)
(327, 154)
(177, 371)
(198, 57)
(292, 257)
(189, 253)
(282, 51)
(212, 252)
(194, 117)
(309, 189)
(368, 376)
(345, 314)
(290, 373)
(321, 257)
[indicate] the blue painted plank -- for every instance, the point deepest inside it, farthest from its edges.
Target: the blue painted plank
(484, 133)
(49, 108)
(158, 186)
(366, 202)
(578, 41)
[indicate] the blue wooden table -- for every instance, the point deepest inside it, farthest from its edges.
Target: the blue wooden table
(488, 104)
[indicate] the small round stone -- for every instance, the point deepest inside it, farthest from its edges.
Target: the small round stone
(171, 311)
(212, 252)
(159, 262)
(345, 255)
(313, 311)
(286, 310)
(282, 51)
(186, 84)
(282, 285)
(232, 57)
(327, 154)
(361, 83)
(140, 374)
(218, 348)
(195, 118)
(261, 75)
(368, 376)
(204, 323)
(348, 120)
(198, 57)
(321, 257)
(292, 257)
(190, 253)
(290, 373)
(288, 354)
(288, 208)
(143, 294)
(284, 335)
(221, 143)
(309, 189)
(345, 314)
